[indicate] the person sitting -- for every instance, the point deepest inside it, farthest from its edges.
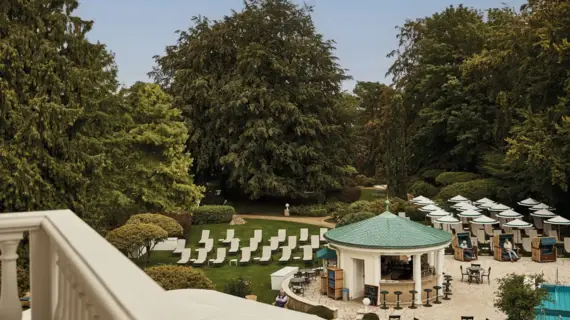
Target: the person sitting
(508, 247)
(281, 299)
(467, 252)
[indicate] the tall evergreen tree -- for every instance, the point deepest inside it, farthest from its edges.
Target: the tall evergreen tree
(260, 90)
(396, 144)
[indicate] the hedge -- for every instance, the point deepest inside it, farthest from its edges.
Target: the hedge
(431, 174)
(448, 178)
(473, 190)
(172, 277)
(212, 214)
(360, 205)
(350, 194)
(362, 180)
(354, 217)
(321, 312)
(309, 211)
(422, 188)
(171, 226)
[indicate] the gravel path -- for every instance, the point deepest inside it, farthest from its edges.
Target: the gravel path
(317, 221)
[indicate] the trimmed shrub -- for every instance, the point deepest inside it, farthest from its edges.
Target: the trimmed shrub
(337, 210)
(171, 277)
(350, 194)
(370, 316)
(212, 214)
(354, 217)
(171, 226)
(422, 188)
(413, 212)
(474, 190)
(321, 312)
(309, 211)
(131, 237)
(184, 219)
(448, 178)
(364, 181)
(239, 287)
(431, 174)
(360, 205)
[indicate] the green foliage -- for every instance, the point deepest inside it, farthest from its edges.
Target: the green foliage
(430, 174)
(413, 213)
(239, 287)
(168, 224)
(354, 217)
(322, 312)
(396, 156)
(447, 178)
(212, 214)
(350, 194)
(264, 135)
(131, 238)
(360, 205)
(171, 277)
(476, 189)
(364, 181)
(316, 210)
(337, 210)
(370, 316)
(518, 299)
(422, 188)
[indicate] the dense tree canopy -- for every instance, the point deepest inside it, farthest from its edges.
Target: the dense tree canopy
(260, 90)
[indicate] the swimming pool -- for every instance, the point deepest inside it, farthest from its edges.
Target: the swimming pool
(557, 307)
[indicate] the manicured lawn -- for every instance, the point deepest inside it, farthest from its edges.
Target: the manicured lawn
(370, 194)
(259, 275)
(261, 208)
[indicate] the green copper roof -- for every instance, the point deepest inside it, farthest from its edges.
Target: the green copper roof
(388, 231)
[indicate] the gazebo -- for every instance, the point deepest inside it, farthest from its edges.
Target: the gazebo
(373, 252)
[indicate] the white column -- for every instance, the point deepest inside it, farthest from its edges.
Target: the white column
(42, 276)
(10, 307)
(431, 259)
(439, 267)
(418, 277)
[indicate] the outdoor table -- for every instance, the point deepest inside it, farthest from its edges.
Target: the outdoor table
(475, 272)
(298, 280)
(312, 274)
(305, 270)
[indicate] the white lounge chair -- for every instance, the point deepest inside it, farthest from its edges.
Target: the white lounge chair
(489, 230)
(258, 235)
(307, 254)
(253, 244)
(266, 255)
(230, 233)
(220, 257)
(567, 244)
(281, 235)
(553, 233)
(526, 245)
(205, 236)
(202, 257)
(315, 243)
(533, 233)
(245, 256)
(304, 235)
(234, 246)
(209, 245)
(546, 228)
(292, 242)
(184, 256)
(286, 255)
(273, 243)
(180, 245)
(322, 234)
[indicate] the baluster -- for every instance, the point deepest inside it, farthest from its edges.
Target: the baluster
(10, 307)
(42, 278)
(66, 290)
(60, 287)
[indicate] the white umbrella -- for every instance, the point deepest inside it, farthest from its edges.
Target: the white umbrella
(429, 208)
(517, 223)
(458, 198)
(484, 220)
(448, 220)
(541, 206)
(509, 214)
(419, 198)
(469, 214)
(437, 213)
(484, 200)
(460, 205)
(486, 205)
(543, 213)
(467, 207)
(528, 202)
(558, 221)
(423, 202)
(497, 207)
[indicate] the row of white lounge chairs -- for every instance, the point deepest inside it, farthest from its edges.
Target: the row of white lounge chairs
(254, 242)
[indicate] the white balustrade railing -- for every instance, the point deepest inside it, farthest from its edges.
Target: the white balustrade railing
(75, 274)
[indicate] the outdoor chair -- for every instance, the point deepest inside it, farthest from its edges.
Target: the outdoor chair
(307, 254)
(258, 235)
(322, 232)
(486, 275)
(292, 242)
(253, 244)
(303, 235)
(315, 243)
(553, 234)
(463, 273)
(526, 245)
(499, 253)
(567, 245)
(533, 233)
(209, 245)
(266, 255)
(245, 257)
(202, 256)
(180, 245)
(274, 243)
(281, 235)
(220, 257)
(489, 230)
(205, 236)
(462, 254)
(467, 318)
(286, 255)
(234, 246)
(538, 222)
(185, 256)
(230, 233)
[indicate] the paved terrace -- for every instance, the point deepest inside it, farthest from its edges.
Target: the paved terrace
(467, 299)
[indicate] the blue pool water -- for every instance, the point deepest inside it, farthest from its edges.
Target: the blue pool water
(557, 307)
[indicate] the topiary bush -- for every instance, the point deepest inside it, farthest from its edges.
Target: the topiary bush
(350, 194)
(371, 316)
(337, 210)
(362, 180)
(422, 188)
(171, 277)
(321, 312)
(354, 217)
(448, 178)
(132, 237)
(431, 174)
(212, 214)
(171, 226)
(474, 190)
(316, 210)
(360, 205)
(239, 287)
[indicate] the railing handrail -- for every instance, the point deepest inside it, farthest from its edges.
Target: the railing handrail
(121, 286)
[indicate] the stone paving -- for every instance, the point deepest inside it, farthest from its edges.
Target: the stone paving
(467, 299)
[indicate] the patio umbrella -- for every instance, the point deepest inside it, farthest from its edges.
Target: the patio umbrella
(423, 202)
(528, 202)
(469, 214)
(419, 198)
(517, 223)
(466, 207)
(458, 198)
(509, 214)
(484, 220)
(559, 221)
(429, 208)
(448, 220)
(484, 200)
(543, 213)
(438, 213)
(541, 206)
(497, 207)
(486, 205)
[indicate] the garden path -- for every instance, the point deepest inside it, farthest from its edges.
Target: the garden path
(316, 221)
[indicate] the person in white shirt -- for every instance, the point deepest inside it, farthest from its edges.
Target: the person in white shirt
(508, 247)
(281, 299)
(466, 252)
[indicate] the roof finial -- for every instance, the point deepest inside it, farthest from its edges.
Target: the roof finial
(387, 203)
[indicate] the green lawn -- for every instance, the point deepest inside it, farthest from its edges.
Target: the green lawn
(259, 275)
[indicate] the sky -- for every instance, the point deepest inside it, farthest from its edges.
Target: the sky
(364, 30)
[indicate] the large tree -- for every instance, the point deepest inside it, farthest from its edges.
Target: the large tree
(396, 149)
(260, 90)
